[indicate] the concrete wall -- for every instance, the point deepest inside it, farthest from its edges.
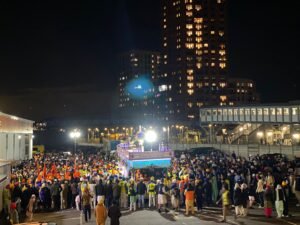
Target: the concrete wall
(5, 169)
(12, 146)
(245, 150)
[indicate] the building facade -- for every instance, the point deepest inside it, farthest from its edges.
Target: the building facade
(15, 138)
(241, 91)
(194, 57)
(137, 74)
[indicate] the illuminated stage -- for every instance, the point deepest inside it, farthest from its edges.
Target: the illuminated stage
(133, 157)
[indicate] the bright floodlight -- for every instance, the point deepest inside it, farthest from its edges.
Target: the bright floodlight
(150, 136)
(296, 136)
(75, 134)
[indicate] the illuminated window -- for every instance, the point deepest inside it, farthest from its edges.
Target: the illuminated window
(189, 45)
(222, 65)
(165, 44)
(222, 52)
(198, 65)
(199, 85)
(198, 46)
(294, 111)
(198, 39)
(212, 32)
(189, 13)
(198, 7)
(198, 20)
(190, 78)
(170, 99)
(190, 104)
(190, 85)
(190, 91)
(212, 64)
(198, 52)
(189, 26)
(223, 98)
(279, 111)
(198, 33)
(190, 71)
(191, 116)
(222, 84)
(162, 88)
(205, 44)
(189, 33)
(165, 26)
(198, 26)
(199, 104)
(221, 33)
(189, 7)
(222, 46)
(219, 1)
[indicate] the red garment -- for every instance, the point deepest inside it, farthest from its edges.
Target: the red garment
(268, 212)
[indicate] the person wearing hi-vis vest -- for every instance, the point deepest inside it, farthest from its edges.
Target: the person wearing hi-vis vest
(124, 196)
(225, 198)
(151, 191)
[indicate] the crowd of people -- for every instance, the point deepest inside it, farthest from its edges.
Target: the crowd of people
(56, 181)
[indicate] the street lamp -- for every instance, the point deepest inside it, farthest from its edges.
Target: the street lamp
(210, 133)
(150, 136)
(74, 135)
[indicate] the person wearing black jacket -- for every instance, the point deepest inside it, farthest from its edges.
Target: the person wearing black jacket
(199, 193)
(116, 192)
(252, 189)
(245, 198)
(114, 214)
(141, 190)
(237, 200)
(17, 196)
(108, 193)
(55, 193)
(100, 191)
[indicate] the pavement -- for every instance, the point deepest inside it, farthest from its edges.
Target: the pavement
(209, 216)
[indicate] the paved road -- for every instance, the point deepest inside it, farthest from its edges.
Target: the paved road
(150, 217)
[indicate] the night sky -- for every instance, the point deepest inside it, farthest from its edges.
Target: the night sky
(58, 59)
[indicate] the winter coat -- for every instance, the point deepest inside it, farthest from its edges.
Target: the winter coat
(237, 197)
(100, 189)
(108, 190)
(245, 197)
(116, 190)
(17, 193)
(114, 214)
(141, 188)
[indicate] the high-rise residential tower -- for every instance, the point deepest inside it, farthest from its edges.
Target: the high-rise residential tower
(138, 70)
(194, 57)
